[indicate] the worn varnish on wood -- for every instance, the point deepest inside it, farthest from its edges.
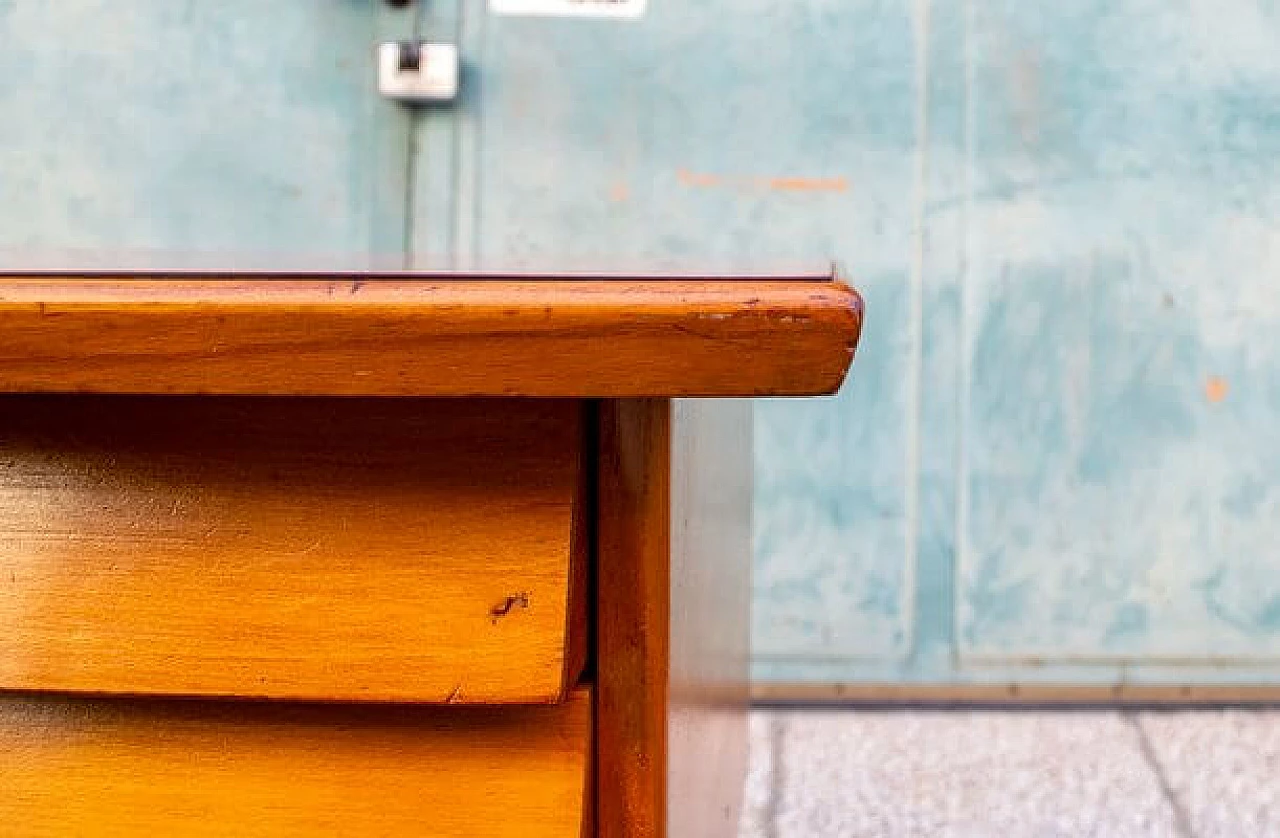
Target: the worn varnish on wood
(409, 550)
(449, 336)
(123, 767)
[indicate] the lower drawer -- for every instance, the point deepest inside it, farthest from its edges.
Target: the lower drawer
(125, 768)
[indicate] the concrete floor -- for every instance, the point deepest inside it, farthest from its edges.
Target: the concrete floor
(1014, 774)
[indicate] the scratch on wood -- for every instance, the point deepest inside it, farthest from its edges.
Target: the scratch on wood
(308, 550)
(502, 609)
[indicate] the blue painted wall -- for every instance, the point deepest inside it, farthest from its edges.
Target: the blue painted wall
(1118, 481)
(1097, 370)
(198, 133)
(1056, 458)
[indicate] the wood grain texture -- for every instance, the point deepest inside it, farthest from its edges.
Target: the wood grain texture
(398, 549)
(437, 337)
(142, 768)
(673, 602)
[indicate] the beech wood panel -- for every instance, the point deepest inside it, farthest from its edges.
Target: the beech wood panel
(195, 768)
(673, 602)
(398, 549)
(428, 336)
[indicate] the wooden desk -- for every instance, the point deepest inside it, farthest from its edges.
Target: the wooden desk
(245, 592)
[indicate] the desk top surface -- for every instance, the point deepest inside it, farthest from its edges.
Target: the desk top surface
(427, 335)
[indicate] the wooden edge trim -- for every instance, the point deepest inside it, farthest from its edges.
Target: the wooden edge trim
(1013, 694)
(432, 337)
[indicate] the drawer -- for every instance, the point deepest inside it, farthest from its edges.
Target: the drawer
(317, 549)
(200, 768)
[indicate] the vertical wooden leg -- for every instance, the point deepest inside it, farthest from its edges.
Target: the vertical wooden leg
(632, 617)
(673, 587)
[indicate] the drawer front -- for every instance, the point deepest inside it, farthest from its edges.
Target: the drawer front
(407, 550)
(197, 768)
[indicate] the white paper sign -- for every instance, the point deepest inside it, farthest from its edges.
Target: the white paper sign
(624, 9)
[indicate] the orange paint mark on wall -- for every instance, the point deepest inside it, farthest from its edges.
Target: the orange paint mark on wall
(809, 184)
(778, 183)
(698, 179)
(1215, 389)
(619, 193)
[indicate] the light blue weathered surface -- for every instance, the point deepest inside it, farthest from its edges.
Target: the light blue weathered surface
(227, 128)
(1120, 473)
(1098, 388)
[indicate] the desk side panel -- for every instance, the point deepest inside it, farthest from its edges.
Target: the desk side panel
(710, 611)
